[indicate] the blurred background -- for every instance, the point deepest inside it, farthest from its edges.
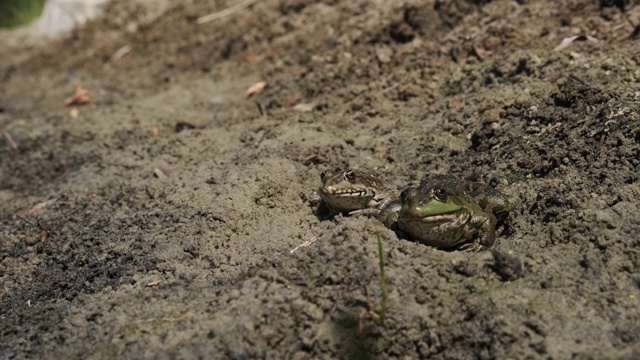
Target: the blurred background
(48, 18)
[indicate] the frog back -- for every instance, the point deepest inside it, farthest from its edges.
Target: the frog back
(489, 199)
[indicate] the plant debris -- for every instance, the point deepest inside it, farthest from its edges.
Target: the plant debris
(255, 89)
(80, 95)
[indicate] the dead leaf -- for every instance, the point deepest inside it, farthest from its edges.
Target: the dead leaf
(121, 52)
(384, 54)
(481, 53)
(293, 99)
(251, 58)
(159, 173)
(255, 89)
(154, 283)
(153, 130)
(384, 58)
(566, 42)
(74, 112)
(80, 95)
(304, 107)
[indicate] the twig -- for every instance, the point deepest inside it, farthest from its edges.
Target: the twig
(157, 319)
(10, 139)
(575, 78)
(33, 208)
(260, 109)
(25, 220)
(305, 244)
(225, 12)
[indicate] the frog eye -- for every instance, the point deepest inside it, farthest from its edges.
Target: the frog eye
(440, 193)
(350, 175)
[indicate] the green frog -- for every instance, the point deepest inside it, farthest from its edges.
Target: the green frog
(355, 192)
(447, 213)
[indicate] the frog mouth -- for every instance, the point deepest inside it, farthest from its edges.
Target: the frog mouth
(347, 193)
(351, 194)
(439, 217)
(418, 214)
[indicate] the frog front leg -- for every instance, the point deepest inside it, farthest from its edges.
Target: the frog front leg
(486, 233)
(365, 212)
(388, 214)
(382, 205)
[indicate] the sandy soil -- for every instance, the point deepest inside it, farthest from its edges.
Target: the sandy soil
(178, 244)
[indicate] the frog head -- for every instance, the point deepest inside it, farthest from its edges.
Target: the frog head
(437, 214)
(430, 201)
(346, 191)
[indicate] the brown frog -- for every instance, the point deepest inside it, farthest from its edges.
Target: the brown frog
(355, 192)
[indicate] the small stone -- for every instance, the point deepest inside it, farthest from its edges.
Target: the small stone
(508, 267)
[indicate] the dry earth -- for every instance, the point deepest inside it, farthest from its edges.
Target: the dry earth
(178, 244)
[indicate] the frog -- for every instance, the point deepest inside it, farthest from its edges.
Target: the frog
(355, 192)
(448, 213)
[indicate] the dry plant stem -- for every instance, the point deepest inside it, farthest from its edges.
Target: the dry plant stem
(383, 279)
(225, 12)
(305, 244)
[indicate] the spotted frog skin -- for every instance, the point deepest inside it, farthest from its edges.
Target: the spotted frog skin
(447, 213)
(355, 192)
